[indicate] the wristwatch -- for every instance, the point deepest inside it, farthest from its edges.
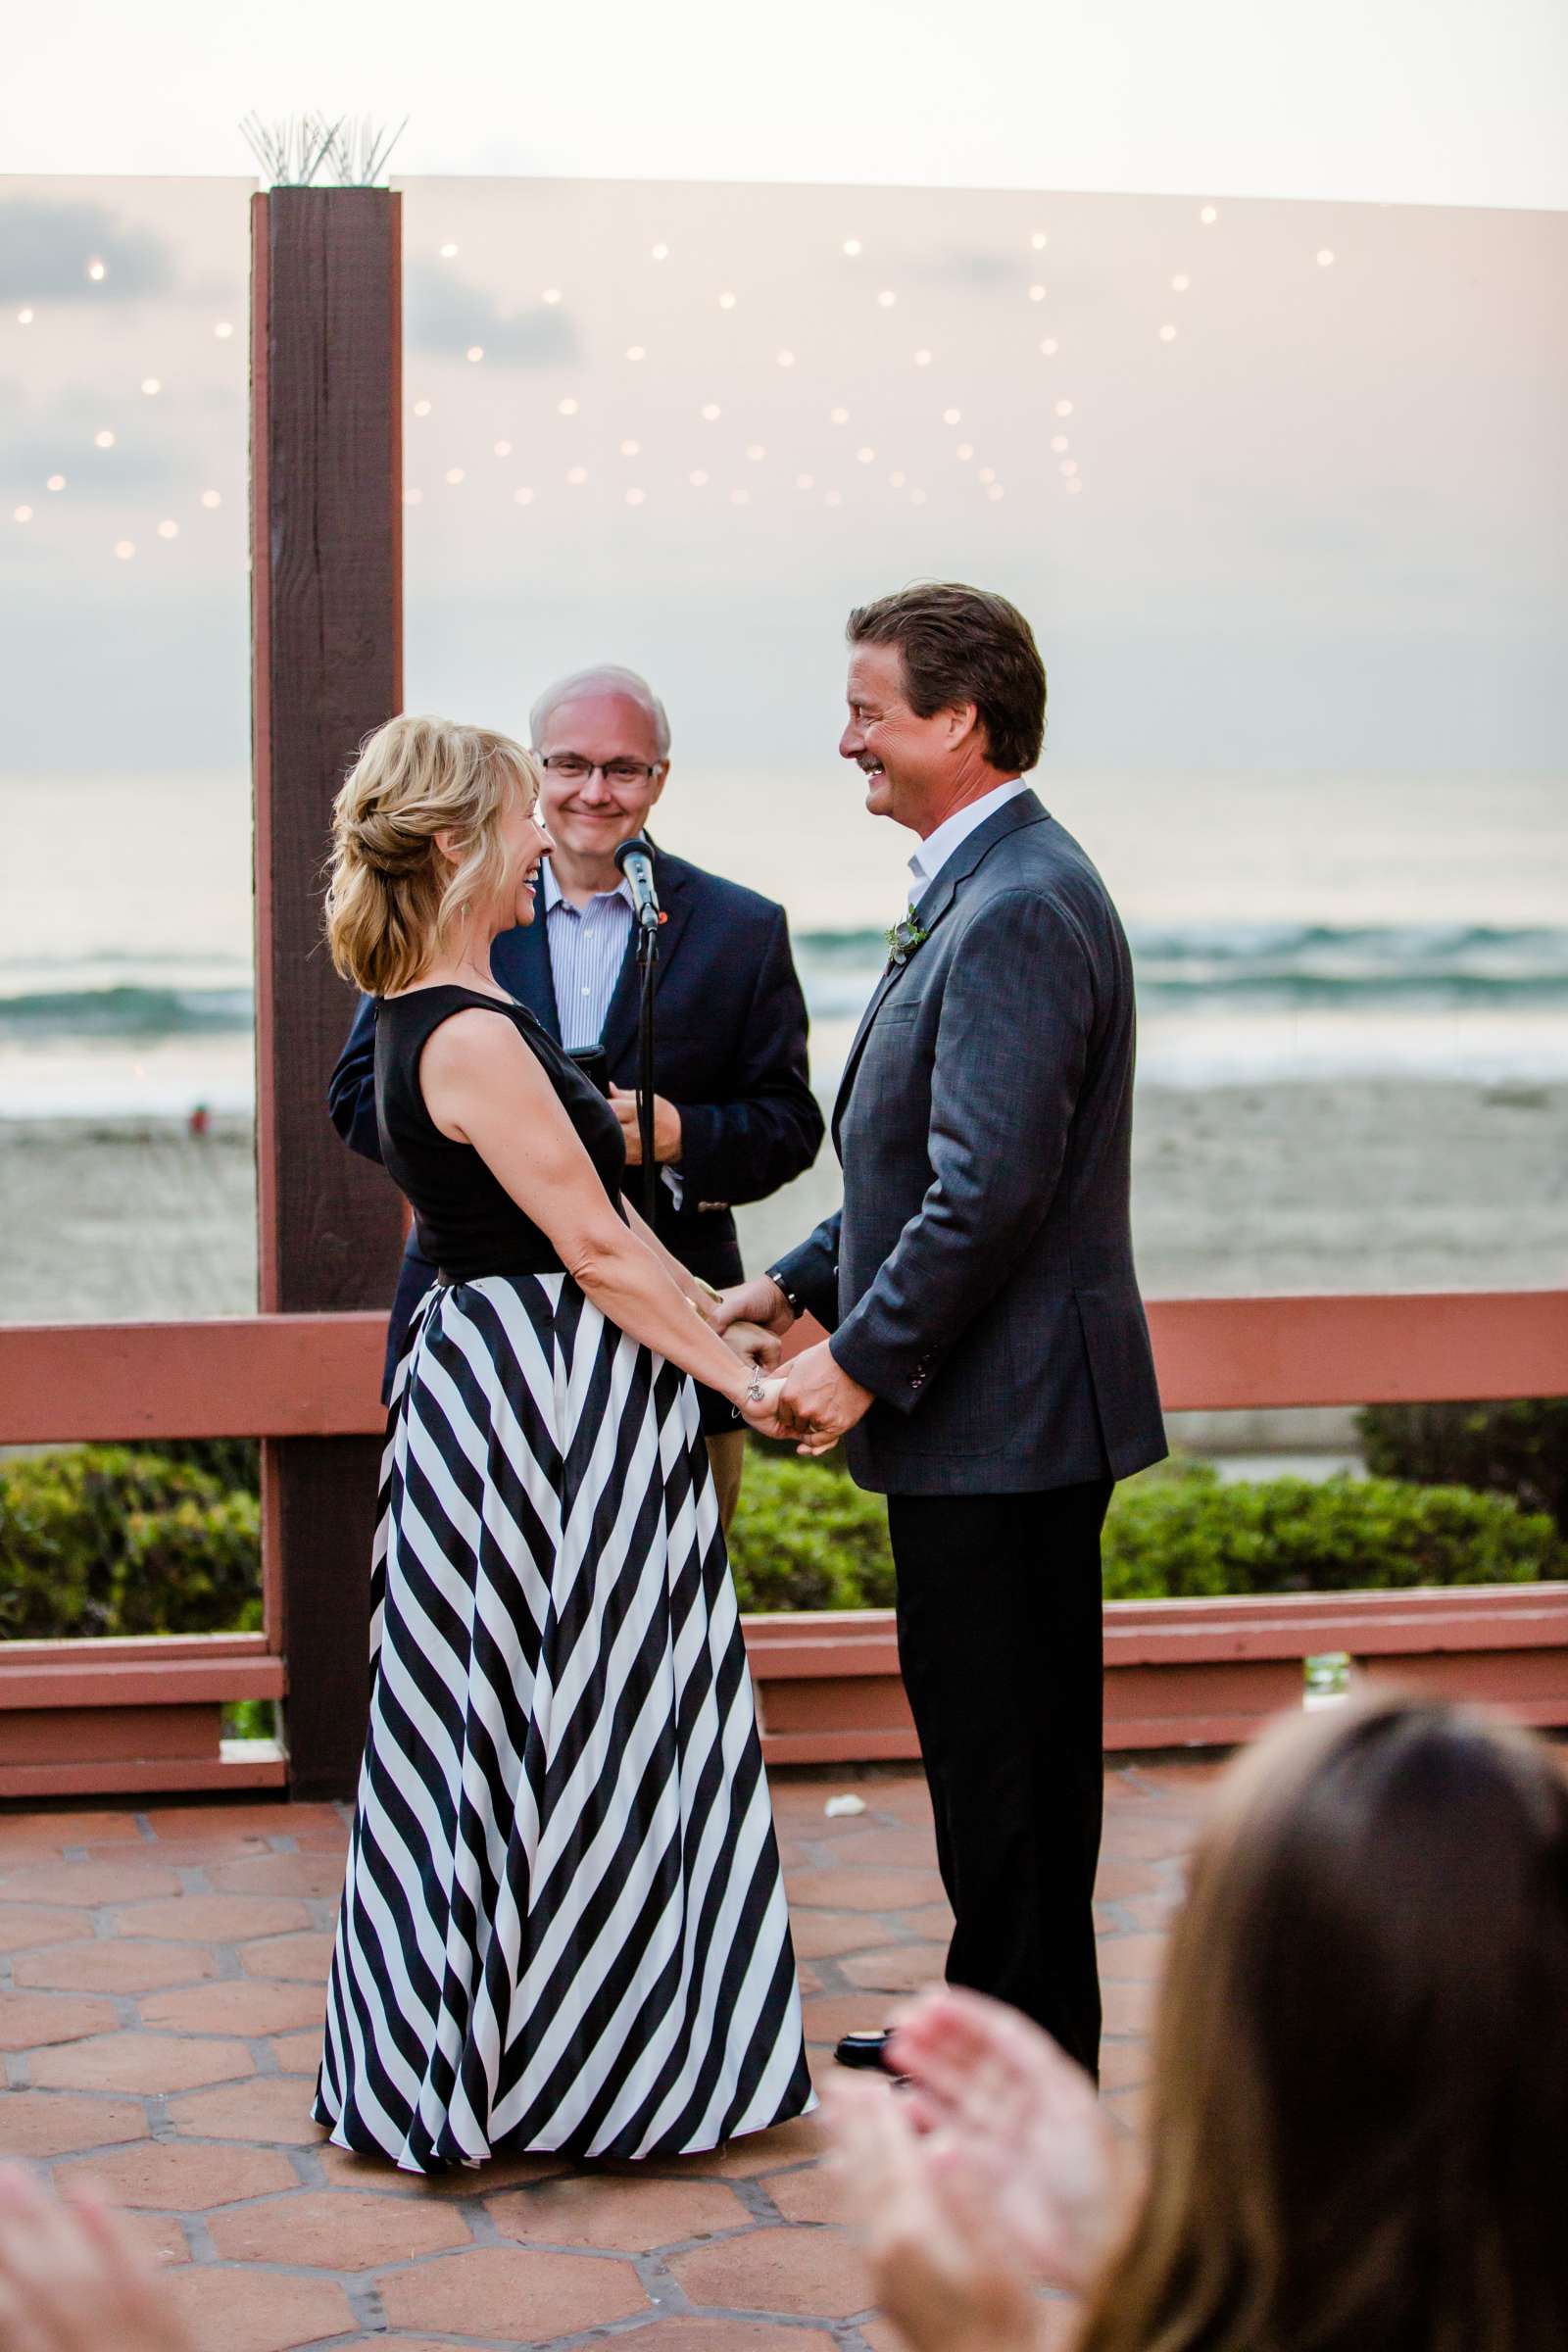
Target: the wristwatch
(779, 1284)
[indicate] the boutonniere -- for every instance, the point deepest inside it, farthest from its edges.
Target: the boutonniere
(904, 939)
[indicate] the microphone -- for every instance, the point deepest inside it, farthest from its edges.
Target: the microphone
(635, 859)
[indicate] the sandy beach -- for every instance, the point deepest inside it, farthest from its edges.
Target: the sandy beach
(1340, 1184)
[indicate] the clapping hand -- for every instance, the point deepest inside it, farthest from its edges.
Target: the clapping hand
(943, 2267)
(73, 2280)
(1023, 2121)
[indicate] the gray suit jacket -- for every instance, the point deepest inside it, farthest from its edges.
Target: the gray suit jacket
(979, 1277)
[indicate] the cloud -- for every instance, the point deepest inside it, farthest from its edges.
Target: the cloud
(444, 316)
(45, 250)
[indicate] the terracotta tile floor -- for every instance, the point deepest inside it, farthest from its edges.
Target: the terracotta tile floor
(161, 1976)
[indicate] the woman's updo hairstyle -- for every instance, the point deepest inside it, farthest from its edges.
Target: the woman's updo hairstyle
(393, 899)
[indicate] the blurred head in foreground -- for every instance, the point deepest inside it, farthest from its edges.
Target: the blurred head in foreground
(436, 843)
(1359, 2130)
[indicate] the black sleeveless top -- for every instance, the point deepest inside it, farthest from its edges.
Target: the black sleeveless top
(466, 1220)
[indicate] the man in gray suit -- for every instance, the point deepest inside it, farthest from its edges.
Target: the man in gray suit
(989, 1367)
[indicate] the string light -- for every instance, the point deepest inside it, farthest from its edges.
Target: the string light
(411, 498)
(422, 407)
(125, 549)
(169, 530)
(987, 473)
(894, 481)
(567, 408)
(223, 329)
(1325, 259)
(151, 386)
(1051, 347)
(917, 498)
(523, 496)
(576, 476)
(1180, 282)
(551, 294)
(886, 299)
(661, 253)
(475, 351)
(211, 499)
(1209, 214)
(631, 449)
(852, 246)
(24, 317)
(1075, 483)
(56, 481)
(953, 416)
(726, 302)
(455, 475)
(965, 451)
(1059, 442)
(503, 449)
(635, 351)
(698, 479)
(449, 253)
(1065, 408)
(833, 499)
(740, 498)
(865, 457)
(1037, 293)
(104, 440)
(97, 271)
(634, 498)
(786, 358)
(756, 452)
(994, 490)
(805, 481)
(1068, 467)
(22, 514)
(1039, 240)
(923, 359)
(1167, 334)
(710, 412)
(838, 416)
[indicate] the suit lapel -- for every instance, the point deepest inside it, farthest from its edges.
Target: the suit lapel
(520, 961)
(674, 900)
(1024, 808)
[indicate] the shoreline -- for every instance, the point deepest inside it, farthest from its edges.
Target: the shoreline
(1317, 1186)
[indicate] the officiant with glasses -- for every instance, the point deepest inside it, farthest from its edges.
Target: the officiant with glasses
(734, 1114)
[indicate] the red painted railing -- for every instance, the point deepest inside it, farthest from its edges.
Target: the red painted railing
(98, 1716)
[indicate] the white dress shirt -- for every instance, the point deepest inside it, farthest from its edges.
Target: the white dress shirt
(938, 846)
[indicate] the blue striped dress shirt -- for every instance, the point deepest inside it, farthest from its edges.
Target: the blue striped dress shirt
(587, 949)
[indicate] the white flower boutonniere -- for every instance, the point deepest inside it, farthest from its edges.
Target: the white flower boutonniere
(904, 939)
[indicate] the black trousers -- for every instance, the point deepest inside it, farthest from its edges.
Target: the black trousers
(999, 1618)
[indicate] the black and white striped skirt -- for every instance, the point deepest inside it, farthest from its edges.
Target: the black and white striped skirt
(563, 1924)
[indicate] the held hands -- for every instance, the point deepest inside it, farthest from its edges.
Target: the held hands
(821, 1400)
(666, 1127)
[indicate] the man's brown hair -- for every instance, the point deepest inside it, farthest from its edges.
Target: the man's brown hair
(963, 645)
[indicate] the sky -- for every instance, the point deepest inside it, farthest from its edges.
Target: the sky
(1282, 483)
(1454, 102)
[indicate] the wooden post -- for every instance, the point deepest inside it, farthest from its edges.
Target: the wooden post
(326, 625)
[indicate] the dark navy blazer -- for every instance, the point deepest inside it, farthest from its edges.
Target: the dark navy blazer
(979, 1278)
(729, 1052)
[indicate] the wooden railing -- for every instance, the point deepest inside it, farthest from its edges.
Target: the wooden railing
(102, 1716)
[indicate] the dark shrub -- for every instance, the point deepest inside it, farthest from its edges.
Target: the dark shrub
(112, 1539)
(1519, 1449)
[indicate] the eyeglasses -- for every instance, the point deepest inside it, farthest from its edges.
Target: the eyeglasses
(572, 768)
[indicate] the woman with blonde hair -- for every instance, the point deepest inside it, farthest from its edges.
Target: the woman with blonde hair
(563, 1926)
(1359, 2123)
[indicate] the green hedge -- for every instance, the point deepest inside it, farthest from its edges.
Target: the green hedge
(806, 1539)
(1519, 1449)
(117, 1539)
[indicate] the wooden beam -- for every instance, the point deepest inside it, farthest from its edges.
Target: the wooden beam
(326, 617)
(285, 1376)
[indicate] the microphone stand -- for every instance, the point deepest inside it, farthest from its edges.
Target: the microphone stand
(647, 961)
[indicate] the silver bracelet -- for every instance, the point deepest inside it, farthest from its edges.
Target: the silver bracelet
(755, 1391)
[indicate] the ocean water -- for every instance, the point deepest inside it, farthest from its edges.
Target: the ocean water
(1282, 927)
